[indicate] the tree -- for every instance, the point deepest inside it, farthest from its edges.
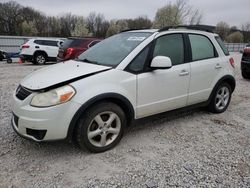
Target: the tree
(177, 13)
(67, 23)
(235, 37)
(246, 32)
(80, 29)
(10, 18)
(223, 29)
(29, 29)
(139, 23)
(116, 26)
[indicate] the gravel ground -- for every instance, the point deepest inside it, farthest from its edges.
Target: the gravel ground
(186, 149)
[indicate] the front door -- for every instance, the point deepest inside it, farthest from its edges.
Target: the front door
(166, 89)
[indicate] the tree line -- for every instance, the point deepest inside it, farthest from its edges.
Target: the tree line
(19, 20)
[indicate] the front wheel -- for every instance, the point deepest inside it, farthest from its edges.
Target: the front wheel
(101, 127)
(221, 98)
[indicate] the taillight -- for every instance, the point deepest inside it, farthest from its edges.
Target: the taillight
(25, 46)
(231, 60)
(69, 51)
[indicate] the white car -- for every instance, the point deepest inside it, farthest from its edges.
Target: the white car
(39, 51)
(128, 76)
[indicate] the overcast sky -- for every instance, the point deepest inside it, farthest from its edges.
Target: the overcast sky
(233, 12)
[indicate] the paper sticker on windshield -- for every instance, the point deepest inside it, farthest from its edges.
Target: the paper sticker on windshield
(136, 38)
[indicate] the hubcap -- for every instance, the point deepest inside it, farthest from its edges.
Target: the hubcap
(104, 129)
(40, 59)
(222, 98)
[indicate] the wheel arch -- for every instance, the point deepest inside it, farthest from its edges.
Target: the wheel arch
(118, 99)
(228, 79)
(40, 52)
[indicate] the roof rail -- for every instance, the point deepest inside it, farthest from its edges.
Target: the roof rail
(193, 27)
(134, 29)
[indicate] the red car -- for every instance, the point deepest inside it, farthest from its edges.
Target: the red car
(73, 47)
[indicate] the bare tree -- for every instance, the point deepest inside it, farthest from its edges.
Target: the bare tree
(223, 29)
(80, 29)
(177, 13)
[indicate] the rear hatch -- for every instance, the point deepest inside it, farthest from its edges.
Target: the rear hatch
(70, 47)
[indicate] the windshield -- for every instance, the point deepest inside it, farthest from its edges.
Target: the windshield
(113, 50)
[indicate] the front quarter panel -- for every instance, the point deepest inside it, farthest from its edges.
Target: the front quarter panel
(112, 81)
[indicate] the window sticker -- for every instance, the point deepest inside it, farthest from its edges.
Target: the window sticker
(136, 38)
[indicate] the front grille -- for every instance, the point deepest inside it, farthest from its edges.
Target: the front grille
(16, 118)
(22, 93)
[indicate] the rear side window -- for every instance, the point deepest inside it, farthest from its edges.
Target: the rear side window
(201, 47)
(73, 43)
(222, 45)
(46, 42)
(171, 46)
(50, 43)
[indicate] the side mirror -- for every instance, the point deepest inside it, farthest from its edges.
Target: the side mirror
(161, 62)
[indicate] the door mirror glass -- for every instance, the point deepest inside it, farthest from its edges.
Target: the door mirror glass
(161, 62)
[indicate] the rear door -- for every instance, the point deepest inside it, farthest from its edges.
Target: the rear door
(166, 89)
(206, 68)
(51, 47)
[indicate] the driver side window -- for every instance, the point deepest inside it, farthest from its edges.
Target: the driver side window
(171, 46)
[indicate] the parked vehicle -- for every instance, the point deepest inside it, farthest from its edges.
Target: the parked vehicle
(2, 55)
(73, 47)
(245, 63)
(39, 51)
(128, 76)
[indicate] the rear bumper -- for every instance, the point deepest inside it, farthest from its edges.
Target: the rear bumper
(26, 57)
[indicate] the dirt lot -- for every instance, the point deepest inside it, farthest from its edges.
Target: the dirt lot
(185, 149)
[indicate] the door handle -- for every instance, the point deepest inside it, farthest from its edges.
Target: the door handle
(218, 66)
(184, 73)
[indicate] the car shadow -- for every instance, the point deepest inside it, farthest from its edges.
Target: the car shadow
(64, 147)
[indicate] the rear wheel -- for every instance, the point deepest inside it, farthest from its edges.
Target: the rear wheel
(101, 127)
(40, 59)
(221, 98)
(245, 75)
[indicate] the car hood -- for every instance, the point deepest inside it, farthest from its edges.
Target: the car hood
(60, 74)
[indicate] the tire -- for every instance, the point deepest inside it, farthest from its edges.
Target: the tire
(245, 75)
(39, 59)
(221, 98)
(9, 61)
(94, 131)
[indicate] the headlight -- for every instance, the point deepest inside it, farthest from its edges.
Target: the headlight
(53, 97)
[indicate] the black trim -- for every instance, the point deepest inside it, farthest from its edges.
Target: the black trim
(192, 27)
(120, 100)
(68, 81)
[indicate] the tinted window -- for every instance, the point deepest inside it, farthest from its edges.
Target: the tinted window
(201, 47)
(73, 43)
(222, 45)
(46, 42)
(171, 46)
(38, 42)
(50, 43)
(138, 63)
